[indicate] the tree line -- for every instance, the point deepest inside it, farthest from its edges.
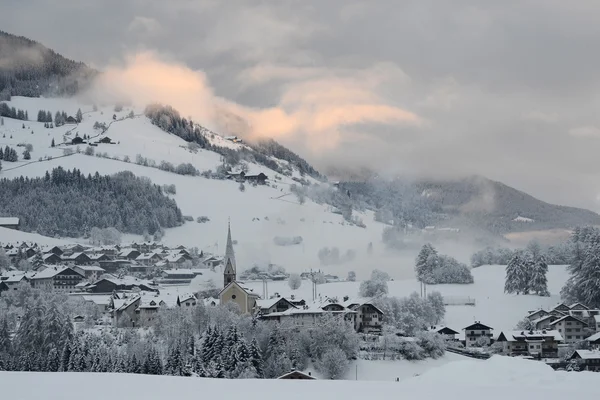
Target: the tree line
(12, 112)
(68, 203)
(559, 254)
(583, 284)
(526, 273)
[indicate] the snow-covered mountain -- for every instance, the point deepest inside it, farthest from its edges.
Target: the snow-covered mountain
(258, 214)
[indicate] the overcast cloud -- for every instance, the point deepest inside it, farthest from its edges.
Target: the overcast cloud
(508, 90)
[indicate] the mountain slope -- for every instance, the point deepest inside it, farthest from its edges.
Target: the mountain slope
(474, 202)
(27, 68)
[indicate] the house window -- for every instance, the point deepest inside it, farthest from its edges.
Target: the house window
(472, 332)
(568, 329)
(568, 323)
(233, 296)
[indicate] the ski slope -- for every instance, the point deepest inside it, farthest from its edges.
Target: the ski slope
(499, 378)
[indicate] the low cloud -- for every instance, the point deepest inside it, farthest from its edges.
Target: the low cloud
(585, 132)
(313, 108)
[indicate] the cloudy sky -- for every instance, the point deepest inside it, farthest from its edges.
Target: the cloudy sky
(505, 89)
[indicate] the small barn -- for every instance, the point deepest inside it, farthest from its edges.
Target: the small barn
(261, 178)
(105, 140)
(70, 120)
(77, 140)
(297, 375)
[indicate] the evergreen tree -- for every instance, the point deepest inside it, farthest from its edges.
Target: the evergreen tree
(256, 357)
(65, 357)
(539, 282)
(425, 263)
(588, 280)
(52, 144)
(516, 276)
(26, 155)
(79, 115)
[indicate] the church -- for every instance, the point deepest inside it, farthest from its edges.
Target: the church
(233, 291)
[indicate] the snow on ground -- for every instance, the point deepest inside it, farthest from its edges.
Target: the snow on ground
(499, 378)
(493, 307)
(11, 235)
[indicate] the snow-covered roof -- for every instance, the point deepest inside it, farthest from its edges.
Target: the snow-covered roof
(589, 354)
(268, 303)
(545, 317)
(90, 268)
(14, 276)
(183, 271)
(102, 300)
(9, 221)
(594, 337)
(517, 336)
(438, 328)
(49, 272)
(539, 310)
(565, 317)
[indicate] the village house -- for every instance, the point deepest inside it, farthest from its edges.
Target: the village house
(54, 250)
(12, 280)
(112, 266)
(51, 258)
(141, 309)
(297, 375)
(109, 284)
(56, 279)
(571, 328)
(589, 316)
(542, 344)
(212, 261)
(149, 258)
(90, 272)
(180, 275)
(477, 333)
(447, 333)
(369, 318)
(275, 304)
(79, 258)
(129, 253)
(537, 314)
(589, 359)
(594, 341)
(10, 223)
(309, 315)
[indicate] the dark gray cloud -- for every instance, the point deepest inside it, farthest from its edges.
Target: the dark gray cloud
(505, 89)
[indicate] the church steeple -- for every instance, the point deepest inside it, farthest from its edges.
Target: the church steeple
(229, 274)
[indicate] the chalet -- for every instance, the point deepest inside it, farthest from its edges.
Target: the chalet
(594, 341)
(369, 318)
(129, 253)
(10, 223)
(149, 258)
(54, 250)
(447, 333)
(476, 333)
(172, 260)
(97, 257)
(13, 280)
(74, 248)
(105, 140)
(570, 328)
(101, 302)
(578, 306)
(297, 375)
(534, 315)
(143, 269)
(530, 343)
(112, 266)
(90, 272)
(77, 140)
(180, 275)
(543, 323)
(70, 120)
(589, 316)
(233, 139)
(77, 259)
(590, 359)
(261, 178)
(124, 311)
(212, 261)
(563, 308)
(276, 304)
(111, 284)
(310, 314)
(51, 258)
(57, 279)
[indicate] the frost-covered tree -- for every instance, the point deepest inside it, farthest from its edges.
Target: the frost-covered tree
(351, 276)
(294, 281)
(334, 363)
(437, 302)
(539, 282)
(79, 115)
(376, 286)
(516, 277)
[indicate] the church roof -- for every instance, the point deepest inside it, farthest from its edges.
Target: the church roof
(229, 253)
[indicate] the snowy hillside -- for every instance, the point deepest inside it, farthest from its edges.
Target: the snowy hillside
(498, 378)
(257, 215)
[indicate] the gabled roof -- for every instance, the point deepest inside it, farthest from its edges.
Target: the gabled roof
(90, 268)
(443, 330)
(593, 338)
(540, 310)
(268, 303)
(578, 305)
(248, 291)
(52, 272)
(304, 376)
(537, 321)
(521, 336)
(587, 354)
(567, 317)
(477, 326)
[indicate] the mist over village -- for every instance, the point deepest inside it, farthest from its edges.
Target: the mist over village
(372, 197)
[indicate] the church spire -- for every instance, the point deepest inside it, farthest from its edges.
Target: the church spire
(229, 274)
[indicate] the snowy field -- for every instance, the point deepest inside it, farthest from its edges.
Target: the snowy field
(493, 307)
(499, 378)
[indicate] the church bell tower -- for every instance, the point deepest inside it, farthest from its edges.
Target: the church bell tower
(229, 274)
